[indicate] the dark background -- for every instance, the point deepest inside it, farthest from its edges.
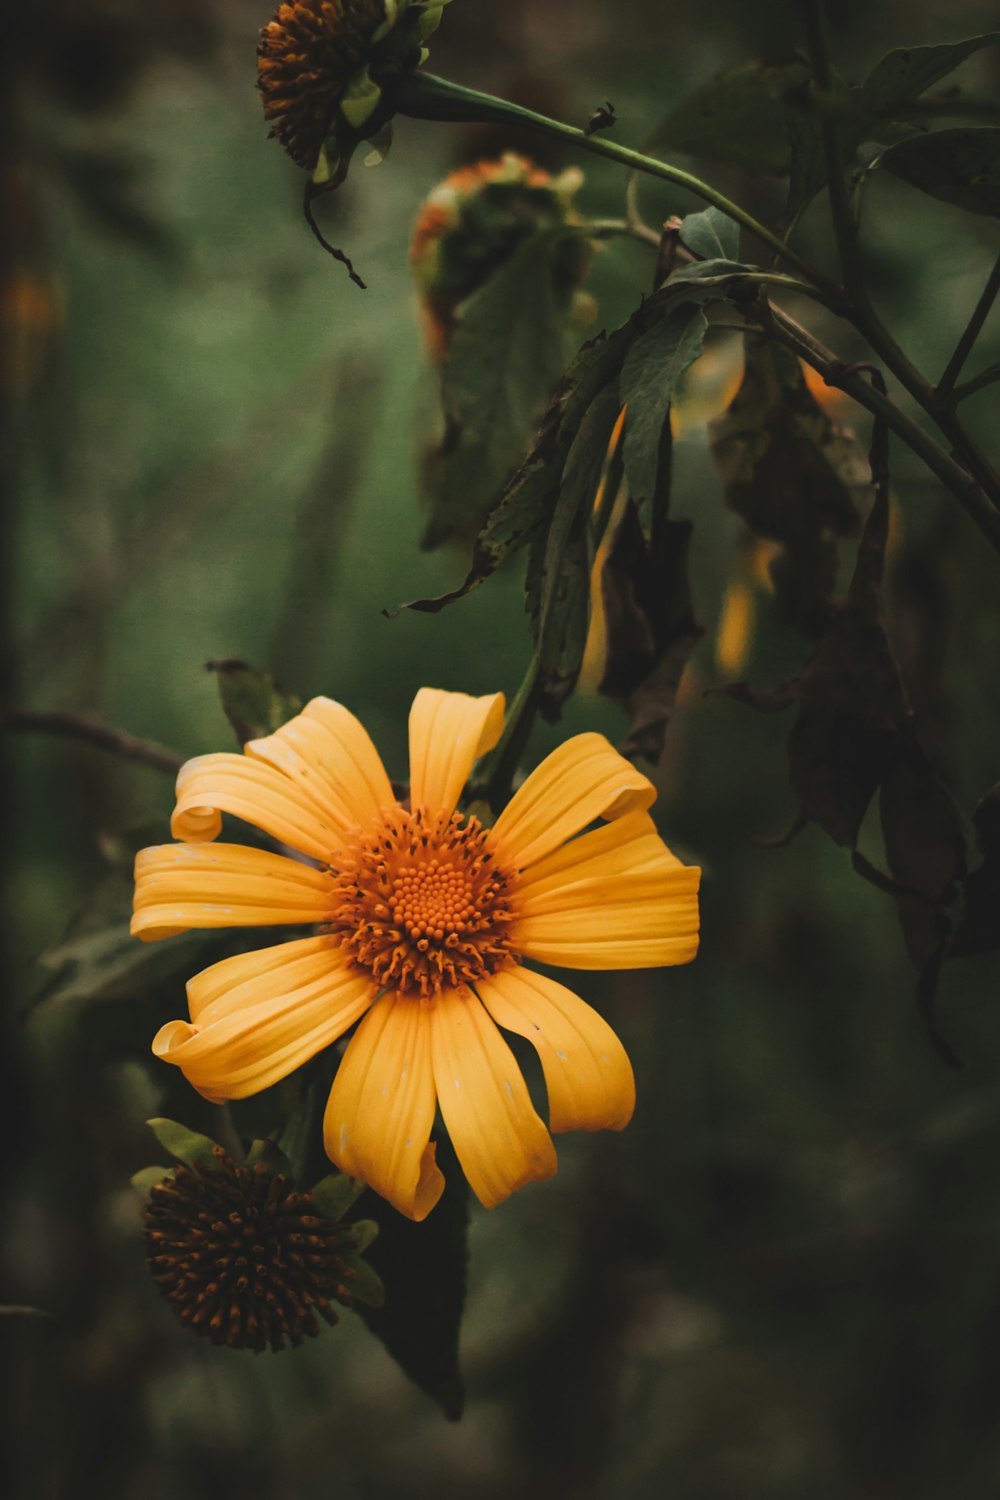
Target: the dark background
(783, 1278)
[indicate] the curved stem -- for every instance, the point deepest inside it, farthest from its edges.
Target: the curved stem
(600, 229)
(73, 726)
(424, 96)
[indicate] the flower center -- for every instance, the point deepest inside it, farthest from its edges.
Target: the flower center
(424, 904)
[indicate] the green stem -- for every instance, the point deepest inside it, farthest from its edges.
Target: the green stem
(862, 312)
(976, 383)
(957, 479)
(424, 96)
(600, 229)
(946, 385)
(495, 779)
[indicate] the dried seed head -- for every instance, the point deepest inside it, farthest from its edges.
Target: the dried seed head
(242, 1257)
(305, 58)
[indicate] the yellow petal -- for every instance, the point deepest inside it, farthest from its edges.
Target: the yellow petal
(178, 886)
(627, 846)
(254, 791)
(266, 1015)
(236, 983)
(381, 1108)
(587, 1072)
(584, 779)
(448, 732)
(326, 751)
(498, 1138)
(638, 921)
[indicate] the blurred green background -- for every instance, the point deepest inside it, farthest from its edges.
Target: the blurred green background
(783, 1279)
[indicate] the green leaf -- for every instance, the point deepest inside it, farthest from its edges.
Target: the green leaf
(738, 117)
(251, 701)
(423, 1268)
(651, 629)
(364, 1232)
(903, 74)
(528, 499)
(150, 1177)
(652, 368)
(110, 964)
(558, 582)
(187, 1145)
(334, 1195)
(792, 474)
(711, 235)
(960, 166)
(366, 1286)
(267, 1154)
(526, 507)
(507, 352)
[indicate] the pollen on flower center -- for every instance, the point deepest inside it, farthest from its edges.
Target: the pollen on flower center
(424, 903)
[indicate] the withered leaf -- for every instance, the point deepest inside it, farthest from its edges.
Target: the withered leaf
(651, 628)
(251, 700)
(793, 475)
(852, 703)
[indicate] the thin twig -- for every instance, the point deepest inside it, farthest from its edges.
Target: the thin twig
(345, 260)
(73, 726)
(963, 348)
(600, 229)
(976, 383)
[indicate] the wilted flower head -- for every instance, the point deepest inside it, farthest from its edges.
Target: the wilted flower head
(321, 66)
(473, 222)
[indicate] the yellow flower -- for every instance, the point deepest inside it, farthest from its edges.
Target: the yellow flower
(423, 918)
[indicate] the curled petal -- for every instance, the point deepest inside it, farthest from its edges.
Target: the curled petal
(587, 1071)
(381, 1107)
(585, 778)
(259, 1016)
(328, 754)
(179, 886)
(498, 1137)
(254, 791)
(448, 732)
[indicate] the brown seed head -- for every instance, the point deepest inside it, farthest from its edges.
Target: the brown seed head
(242, 1257)
(305, 58)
